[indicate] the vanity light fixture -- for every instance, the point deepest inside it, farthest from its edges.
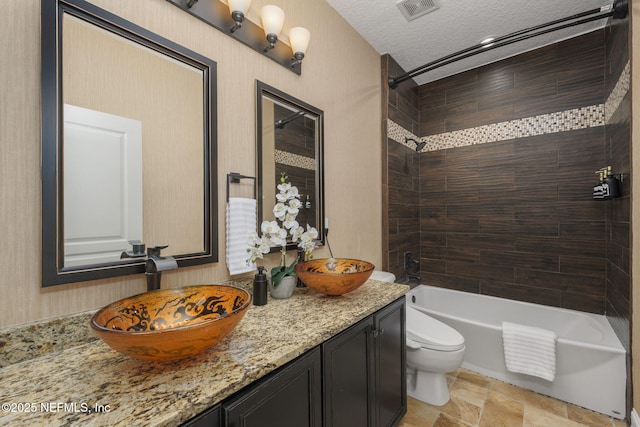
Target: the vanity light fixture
(299, 38)
(229, 16)
(238, 9)
(272, 21)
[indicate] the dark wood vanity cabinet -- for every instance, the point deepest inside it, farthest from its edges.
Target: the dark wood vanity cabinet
(390, 366)
(355, 379)
(364, 374)
(291, 397)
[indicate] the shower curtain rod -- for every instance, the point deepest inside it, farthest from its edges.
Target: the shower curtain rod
(618, 10)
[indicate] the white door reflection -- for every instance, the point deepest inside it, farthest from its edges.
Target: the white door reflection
(102, 185)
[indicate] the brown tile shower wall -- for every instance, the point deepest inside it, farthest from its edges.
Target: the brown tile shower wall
(557, 77)
(516, 218)
(400, 169)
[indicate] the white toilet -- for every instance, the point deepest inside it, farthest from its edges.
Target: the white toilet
(433, 349)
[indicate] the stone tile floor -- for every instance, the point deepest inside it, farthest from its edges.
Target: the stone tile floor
(477, 400)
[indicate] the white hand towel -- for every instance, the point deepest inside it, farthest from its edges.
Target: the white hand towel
(241, 224)
(529, 350)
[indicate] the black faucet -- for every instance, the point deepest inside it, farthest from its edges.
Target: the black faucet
(154, 265)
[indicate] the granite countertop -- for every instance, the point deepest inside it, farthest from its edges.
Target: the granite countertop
(92, 385)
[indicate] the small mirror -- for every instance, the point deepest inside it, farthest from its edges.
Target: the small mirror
(128, 146)
(290, 141)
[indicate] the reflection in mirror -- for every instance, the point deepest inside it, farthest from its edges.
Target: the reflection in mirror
(102, 188)
(128, 145)
(290, 141)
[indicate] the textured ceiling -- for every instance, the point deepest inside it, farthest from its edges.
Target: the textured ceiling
(459, 24)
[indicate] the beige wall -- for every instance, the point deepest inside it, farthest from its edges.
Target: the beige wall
(341, 75)
(635, 204)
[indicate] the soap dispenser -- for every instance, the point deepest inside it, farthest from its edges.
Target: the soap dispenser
(600, 190)
(260, 287)
(612, 183)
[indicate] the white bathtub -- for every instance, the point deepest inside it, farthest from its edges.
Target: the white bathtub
(590, 360)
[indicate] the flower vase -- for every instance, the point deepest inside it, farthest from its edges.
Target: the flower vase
(284, 289)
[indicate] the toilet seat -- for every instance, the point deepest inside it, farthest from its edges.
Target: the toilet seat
(431, 333)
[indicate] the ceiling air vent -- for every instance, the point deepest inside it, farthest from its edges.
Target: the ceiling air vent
(412, 9)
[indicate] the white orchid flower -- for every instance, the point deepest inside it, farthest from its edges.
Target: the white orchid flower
(293, 207)
(256, 250)
(254, 239)
(293, 193)
(311, 231)
(264, 247)
(307, 244)
(290, 223)
(296, 233)
(280, 210)
(294, 203)
(279, 238)
(282, 233)
(269, 227)
(286, 209)
(290, 217)
(284, 187)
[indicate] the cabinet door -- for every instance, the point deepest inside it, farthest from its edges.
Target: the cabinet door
(290, 397)
(209, 418)
(391, 376)
(347, 375)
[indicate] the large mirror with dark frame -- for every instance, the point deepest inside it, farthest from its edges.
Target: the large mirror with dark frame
(289, 141)
(128, 146)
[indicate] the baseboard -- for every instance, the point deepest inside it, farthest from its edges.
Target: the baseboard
(635, 419)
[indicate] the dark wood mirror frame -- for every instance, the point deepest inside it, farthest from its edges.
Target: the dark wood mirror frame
(53, 270)
(264, 90)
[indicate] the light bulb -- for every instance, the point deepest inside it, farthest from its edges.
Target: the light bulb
(299, 38)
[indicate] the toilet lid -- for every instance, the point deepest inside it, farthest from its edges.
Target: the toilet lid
(432, 333)
(383, 276)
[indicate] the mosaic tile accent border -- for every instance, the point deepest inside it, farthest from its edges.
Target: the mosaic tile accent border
(562, 121)
(398, 134)
(618, 93)
(290, 159)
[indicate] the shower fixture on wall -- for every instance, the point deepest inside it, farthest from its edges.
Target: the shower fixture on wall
(279, 124)
(618, 10)
(419, 144)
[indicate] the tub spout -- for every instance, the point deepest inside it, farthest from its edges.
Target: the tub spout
(415, 277)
